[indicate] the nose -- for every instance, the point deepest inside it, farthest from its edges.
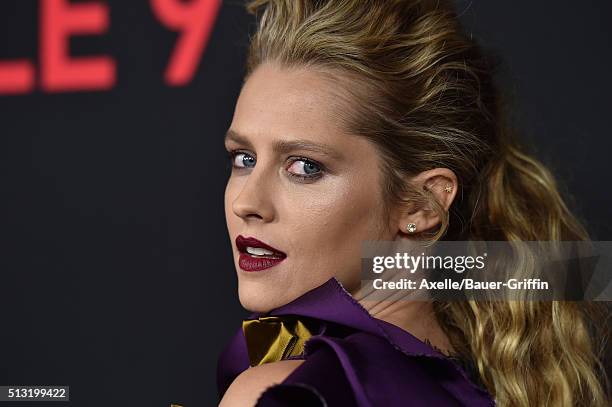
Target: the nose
(255, 198)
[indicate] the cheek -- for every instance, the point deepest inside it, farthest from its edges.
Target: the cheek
(348, 209)
(340, 248)
(333, 225)
(315, 216)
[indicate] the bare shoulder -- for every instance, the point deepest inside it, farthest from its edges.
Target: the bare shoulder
(248, 386)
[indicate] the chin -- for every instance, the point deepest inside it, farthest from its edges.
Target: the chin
(257, 298)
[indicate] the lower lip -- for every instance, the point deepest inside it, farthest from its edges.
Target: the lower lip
(252, 263)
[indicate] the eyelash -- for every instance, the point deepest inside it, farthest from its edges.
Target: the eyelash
(302, 178)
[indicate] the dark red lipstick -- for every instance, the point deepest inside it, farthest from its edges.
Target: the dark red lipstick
(254, 262)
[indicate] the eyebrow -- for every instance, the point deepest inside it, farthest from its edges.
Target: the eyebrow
(286, 146)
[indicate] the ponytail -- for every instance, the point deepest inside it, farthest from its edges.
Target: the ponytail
(529, 353)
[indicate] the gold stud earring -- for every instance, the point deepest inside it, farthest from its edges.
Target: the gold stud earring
(411, 228)
(448, 188)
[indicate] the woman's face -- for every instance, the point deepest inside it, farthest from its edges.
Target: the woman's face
(301, 185)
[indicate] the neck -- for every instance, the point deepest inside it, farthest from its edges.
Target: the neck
(416, 317)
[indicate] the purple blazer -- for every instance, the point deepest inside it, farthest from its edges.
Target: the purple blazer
(357, 360)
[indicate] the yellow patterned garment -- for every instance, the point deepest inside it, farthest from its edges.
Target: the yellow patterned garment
(270, 338)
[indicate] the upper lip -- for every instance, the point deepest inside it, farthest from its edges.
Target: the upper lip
(242, 243)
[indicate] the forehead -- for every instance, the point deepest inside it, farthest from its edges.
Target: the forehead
(283, 104)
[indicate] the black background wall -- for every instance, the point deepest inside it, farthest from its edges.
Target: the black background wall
(116, 271)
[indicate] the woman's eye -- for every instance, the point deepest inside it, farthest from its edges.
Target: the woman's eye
(242, 160)
(304, 168)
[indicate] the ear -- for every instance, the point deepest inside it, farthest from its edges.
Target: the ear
(442, 184)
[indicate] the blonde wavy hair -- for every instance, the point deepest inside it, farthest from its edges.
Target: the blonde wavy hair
(423, 92)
